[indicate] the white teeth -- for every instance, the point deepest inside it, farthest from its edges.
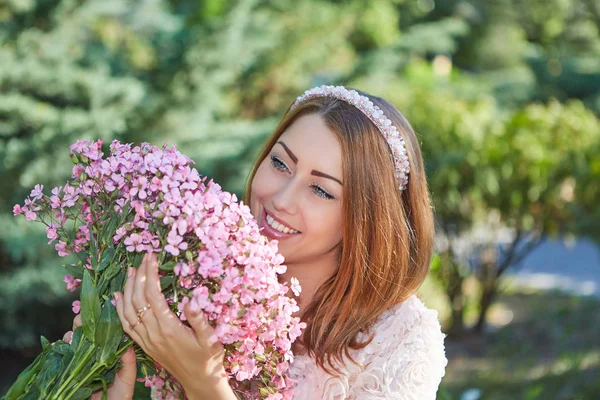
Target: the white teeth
(277, 226)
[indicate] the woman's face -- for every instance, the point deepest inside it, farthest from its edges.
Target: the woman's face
(300, 184)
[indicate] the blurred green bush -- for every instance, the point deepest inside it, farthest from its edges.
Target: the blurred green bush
(505, 97)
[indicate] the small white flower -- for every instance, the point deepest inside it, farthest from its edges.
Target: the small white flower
(295, 285)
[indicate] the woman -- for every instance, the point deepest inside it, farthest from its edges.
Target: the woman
(341, 186)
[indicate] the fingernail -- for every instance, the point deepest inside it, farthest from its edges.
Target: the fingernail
(130, 272)
(116, 296)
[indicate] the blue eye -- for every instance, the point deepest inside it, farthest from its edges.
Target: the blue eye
(318, 190)
(278, 164)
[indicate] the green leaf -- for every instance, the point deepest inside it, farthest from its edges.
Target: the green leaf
(81, 394)
(109, 334)
(32, 394)
(76, 337)
(93, 250)
(118, 282)
(169, 266)
(125, 213)
(166, 282)
(137, 259)
(90, 306)
(66, 351)
(107, 257)
(45, 342)
(108, 231)
(75, 270)
(62, 348)
(50, 370)
(109, 274)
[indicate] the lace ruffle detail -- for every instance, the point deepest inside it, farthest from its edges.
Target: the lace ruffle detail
(406, 361)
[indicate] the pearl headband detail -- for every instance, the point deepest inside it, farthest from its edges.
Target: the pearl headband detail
(376, 115)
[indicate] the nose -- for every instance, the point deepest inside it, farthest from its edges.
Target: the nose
(285, 199)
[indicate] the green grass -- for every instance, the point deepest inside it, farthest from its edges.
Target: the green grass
(540, 345)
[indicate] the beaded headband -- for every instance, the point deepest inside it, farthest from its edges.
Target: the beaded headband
(375, 114)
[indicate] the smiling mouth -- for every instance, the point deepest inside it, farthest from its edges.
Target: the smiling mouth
(269, 219)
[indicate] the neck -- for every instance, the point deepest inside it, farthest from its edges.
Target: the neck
(311, 275)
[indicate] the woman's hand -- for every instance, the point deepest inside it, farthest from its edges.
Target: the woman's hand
(124, 383)
(187, 353)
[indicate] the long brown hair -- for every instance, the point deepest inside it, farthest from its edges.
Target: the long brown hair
(387, 241)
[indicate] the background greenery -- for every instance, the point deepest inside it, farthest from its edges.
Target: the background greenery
(504, 95)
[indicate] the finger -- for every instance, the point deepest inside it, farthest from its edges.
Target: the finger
(161, 311)
(202, 329)
(138, 296)
(134, 329)
(77, 321)
(125, 323)
(97, 395)
(127, 374)
(150, 331)
(68, 336)
(124, 383)
(128, 308)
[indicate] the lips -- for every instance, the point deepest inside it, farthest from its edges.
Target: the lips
(280, 221)
(271, 233)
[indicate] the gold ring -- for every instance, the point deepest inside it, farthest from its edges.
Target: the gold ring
(139, 321)
(142, 311)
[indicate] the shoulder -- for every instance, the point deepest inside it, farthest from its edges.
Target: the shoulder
(407, 352)
(406, 360)
(406, 323)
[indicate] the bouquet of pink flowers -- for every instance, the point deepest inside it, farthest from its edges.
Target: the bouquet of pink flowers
(210, 251)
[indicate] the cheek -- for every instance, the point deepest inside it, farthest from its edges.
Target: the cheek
(326, 223)
(262, 186)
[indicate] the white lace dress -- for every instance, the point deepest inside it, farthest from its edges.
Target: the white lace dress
(406, 361)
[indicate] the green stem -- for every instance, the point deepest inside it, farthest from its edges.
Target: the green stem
(74, 373)
(83, 381)
(93, 371)
(72, 358)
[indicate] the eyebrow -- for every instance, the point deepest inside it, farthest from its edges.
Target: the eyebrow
(314, 171)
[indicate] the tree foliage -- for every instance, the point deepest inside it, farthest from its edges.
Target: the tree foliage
(504, 95)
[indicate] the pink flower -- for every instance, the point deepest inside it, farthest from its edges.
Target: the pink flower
(295, 285)
(119, 233)
(152, 380)
(110, 185)
(37, 193)
(134, 243)
(81, 238)
(30, 215)
(144, 198)
(79, 146)
(72, 283)
(77, 170)
(51, 233)
(296, 330)
(93, 151)
(62, 249)
(175, 243)
(71, 195)
(139, 188)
